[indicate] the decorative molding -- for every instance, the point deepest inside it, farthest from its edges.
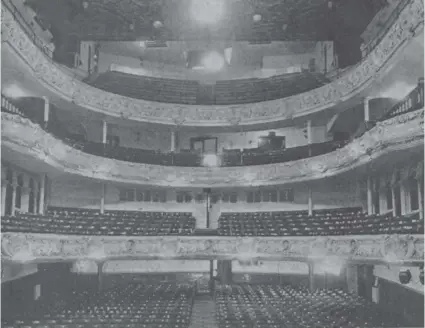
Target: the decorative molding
(353, 81)
(22, 247)
(398, 133)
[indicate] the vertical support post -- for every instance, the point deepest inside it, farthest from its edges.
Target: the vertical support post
(309, 137)
(42, 187)
(99, 276)
(102, 198)
(369, 196)
(310, 202)
(104, 131)
(14, 185)
(3, 191)
(46, 111)
(25, 194)
(366, 109)
(311, 285)
(420, 199)
(173, 141)
(421, 90)
(393, 199)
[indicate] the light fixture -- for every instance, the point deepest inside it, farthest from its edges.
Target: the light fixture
(405, 276)
(213, 61)
(210, 160)
(207, 11)
(157, 24)
(256, 18)
(85, 4)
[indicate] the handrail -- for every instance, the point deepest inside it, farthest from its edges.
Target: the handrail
(40, 44)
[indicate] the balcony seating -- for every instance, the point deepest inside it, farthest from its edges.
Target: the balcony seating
(132, 306)
(148, 88)
(113, 223)
(229, 92)
(268, 306)
(320, 224)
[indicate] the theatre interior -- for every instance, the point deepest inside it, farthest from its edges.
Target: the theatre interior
(212, 163)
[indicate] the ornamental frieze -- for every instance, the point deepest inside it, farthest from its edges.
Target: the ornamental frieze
(401, 132)
(354, 80)
(22, 247)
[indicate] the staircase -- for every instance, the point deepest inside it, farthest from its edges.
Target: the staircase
(203, 312)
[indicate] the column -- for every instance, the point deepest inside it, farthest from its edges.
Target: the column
(420, 199)
(14, 185)
(46, 111)
(311, 284)
(100, 276)
(3, 191)
(403, 194)
(173, 141)
(310, 202)
(421, 90)
(369, 196)
(393, 200)
(309, 137)
(352, 278)
(102, 198)
(25, 193)
(42, 187)
(366, 109)
(104, 131)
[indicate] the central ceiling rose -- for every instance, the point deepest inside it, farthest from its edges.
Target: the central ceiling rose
(207, 11)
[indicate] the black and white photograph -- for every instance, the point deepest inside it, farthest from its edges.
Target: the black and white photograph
(212, 163)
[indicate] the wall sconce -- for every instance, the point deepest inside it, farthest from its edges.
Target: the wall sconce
(405, 276)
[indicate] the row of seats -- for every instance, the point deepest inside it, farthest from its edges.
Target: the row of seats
(130, 306)
(320, 224)
(223, 93)
(271, 306)
(111, 224)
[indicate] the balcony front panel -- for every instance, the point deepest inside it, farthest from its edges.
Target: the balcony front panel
(355, 80)
(25, 247)
(402, 132)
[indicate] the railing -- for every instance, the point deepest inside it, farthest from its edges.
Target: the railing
(40, 43)
(413, 101)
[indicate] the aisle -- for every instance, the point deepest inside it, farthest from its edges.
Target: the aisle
(203, 313)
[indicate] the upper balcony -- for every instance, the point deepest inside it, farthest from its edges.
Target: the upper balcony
(231, 107)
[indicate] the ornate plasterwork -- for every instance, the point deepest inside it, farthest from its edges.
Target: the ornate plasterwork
(401, 132)
(53, 77)
(25, 247)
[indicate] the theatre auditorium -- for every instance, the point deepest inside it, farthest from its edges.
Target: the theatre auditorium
(212, 163)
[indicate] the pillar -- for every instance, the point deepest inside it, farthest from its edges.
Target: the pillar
(14, 185)
(394, 201)
(421, 90)
(42, 187)
(369, 196)
(309, 137)
(102, 198)
(46, 111)
(352, 278)
(224, 269)
(310, 202)
(366, 109)
(3, 191)
(104, 132)
(311, 284)
(25, 193)
(100, 276)
(173, 141)
(420, 199)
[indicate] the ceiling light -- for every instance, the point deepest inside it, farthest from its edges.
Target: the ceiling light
(256, 18)
(157, 24)
(207, 11)
(405, 276)
(213, 61)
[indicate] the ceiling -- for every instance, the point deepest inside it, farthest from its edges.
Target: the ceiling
(129, 20)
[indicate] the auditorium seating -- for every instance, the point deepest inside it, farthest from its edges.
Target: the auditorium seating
(320, 224)
(228, 92)
(274, 306)
(130, 306)
(112, 223)
(148, 88)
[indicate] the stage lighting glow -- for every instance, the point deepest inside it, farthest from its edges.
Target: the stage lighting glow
(213, 62)
(207, 11)
(210, 160)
